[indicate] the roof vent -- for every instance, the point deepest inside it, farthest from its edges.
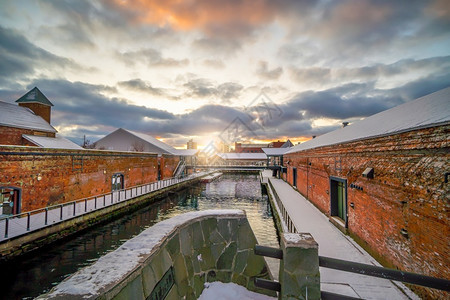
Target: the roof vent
(344, 124)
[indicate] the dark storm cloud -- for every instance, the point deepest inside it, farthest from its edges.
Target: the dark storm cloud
(264, 72)
(20, 58)
(359, 100)
(319, 75)
(151, 57)
(87, 105)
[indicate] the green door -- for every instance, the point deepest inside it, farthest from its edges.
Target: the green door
(341, 200)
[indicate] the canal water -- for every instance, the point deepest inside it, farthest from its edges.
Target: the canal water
(37, 274)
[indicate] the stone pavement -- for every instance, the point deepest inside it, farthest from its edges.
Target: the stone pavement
(333, 243)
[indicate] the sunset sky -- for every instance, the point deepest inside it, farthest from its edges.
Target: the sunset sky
(188, 69)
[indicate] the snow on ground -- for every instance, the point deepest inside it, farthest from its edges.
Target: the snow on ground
(229, 291)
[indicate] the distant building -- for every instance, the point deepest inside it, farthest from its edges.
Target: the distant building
(224, 148)
(28, 124)
(280, 144)
(191, 144)
(248, 148)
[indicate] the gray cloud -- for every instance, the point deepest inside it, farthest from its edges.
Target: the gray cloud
(151, 57)
(214, 63)
(20, 58)
(319, 75)
(264, 72)
(204, 88)
(145, 87)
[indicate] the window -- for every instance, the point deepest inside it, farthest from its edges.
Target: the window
(117, 182)
(10, 200)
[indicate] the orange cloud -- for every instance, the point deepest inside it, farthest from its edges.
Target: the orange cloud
(210, 16)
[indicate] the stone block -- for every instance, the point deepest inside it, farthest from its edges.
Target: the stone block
(225, 261)
(133, 290)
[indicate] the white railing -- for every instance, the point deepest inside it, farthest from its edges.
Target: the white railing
(24, 223)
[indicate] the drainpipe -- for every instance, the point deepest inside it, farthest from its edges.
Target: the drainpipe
(307, 178)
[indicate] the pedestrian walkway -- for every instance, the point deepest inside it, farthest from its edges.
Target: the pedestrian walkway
(333, 243)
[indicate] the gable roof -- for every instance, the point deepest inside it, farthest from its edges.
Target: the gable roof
(275, 151)
(428, 111)
(21, 117)
(57, 142)
(149, 139)
(34, 96)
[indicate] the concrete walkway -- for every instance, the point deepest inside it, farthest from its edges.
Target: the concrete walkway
(333, 243)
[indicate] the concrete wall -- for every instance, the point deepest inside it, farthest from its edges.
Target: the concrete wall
(53, 176)
(401, 215)
(201, 247)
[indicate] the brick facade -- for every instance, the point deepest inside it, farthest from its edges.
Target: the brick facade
(401, 214)
(168, 164)
(44, 111)
(51, 176)
(13, 136)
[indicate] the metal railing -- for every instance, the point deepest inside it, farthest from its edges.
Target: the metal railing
(284, 213)
(24, 223)
(353, 267)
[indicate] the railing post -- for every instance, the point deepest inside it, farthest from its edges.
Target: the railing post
(61, 214)
(6, 227)
(28, 221)
(46, 215)
(95, 202)
(104, 200)
(299, 268)
(85, 205)
(74, 207)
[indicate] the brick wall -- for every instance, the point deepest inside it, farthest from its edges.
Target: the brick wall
(168, 165)
(13, 136)
(407, 193)
(52, 176)
(44, 111)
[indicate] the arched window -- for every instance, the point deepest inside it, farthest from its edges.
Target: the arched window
(117, 182)
(10, 200)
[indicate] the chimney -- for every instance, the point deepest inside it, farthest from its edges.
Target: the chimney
(37, 102)
(314, 136)
(344, 124)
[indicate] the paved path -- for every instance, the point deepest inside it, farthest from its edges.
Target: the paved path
(333, 243)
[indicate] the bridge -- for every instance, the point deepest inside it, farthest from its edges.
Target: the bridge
(234, 167)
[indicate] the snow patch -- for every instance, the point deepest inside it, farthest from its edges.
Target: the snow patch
(115, 265)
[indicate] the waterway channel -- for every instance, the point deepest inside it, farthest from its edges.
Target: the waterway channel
(35, 274)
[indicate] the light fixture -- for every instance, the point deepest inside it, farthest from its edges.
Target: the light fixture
(39, 177)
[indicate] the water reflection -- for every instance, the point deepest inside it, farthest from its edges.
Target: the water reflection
(32, 276)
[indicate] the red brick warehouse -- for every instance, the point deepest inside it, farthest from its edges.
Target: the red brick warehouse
(384, 180)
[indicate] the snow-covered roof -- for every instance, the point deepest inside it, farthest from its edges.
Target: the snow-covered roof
(275, 151)
(428, 111)
(21, 117)
(153, 141)
(236, 156)
(57, 142)
(186, 152)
